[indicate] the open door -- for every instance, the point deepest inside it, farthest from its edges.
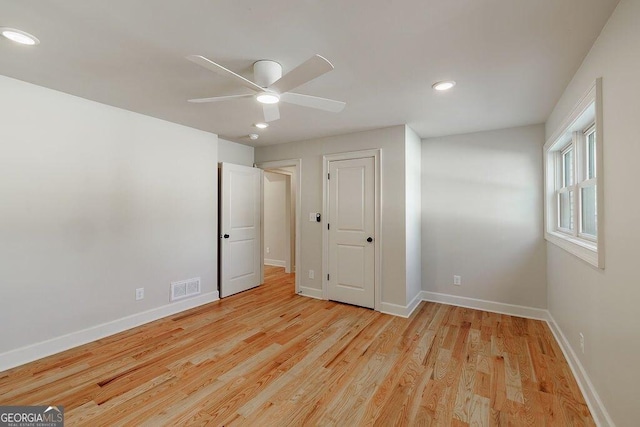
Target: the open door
(240, 228)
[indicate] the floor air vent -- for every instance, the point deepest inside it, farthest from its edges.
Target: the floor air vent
(185, 288)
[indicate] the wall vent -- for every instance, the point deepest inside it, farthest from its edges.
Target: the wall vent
(185, 289)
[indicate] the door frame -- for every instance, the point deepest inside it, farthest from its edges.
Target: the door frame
(297, 165)
(289, 183)
(350, 155)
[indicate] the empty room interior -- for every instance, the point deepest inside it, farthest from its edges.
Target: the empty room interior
(320, 212)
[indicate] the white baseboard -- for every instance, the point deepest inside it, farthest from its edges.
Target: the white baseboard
(415, 302)
(394, 309)
(597, 408)
(478, 304)
(274, 262)
(401, 310)
(311, 292)
(492, 306)
(20, 356)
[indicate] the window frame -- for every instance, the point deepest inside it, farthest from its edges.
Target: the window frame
(563, 188)
(573, 134)
(584, 181)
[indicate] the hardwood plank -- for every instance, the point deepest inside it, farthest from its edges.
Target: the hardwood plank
(480, 411)
(270, 357)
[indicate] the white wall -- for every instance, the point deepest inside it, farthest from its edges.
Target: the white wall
(413, 147)
(482, 216)
(391, 141)
(232, 152)
(603, 304)
(276, 215)
(96, 202)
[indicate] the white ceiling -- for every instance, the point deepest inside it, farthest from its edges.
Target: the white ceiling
(511, 58)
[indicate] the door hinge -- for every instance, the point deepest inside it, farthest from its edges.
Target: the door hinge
(327, 277)
(328, 176)
(328, 226)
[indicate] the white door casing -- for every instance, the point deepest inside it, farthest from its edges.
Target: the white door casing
(296, 164)
(240, 228)
(351, 231)
(289, 217)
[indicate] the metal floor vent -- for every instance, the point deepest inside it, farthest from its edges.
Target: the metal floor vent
(185, 288)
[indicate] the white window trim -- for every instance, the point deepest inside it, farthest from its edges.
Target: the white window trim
(583, 246)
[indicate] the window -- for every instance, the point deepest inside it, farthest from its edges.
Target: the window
(588, 186)
(573, 182)
(565, 192)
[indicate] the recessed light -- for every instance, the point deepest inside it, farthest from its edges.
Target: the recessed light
(268, 97)
(253, 136)
(445, 85)
(19, 36)
(262, 125)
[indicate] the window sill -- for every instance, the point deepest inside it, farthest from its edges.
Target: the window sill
(583, 249)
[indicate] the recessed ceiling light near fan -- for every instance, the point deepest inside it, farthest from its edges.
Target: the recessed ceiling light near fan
(444, 85)
(19, 36)
(271, 87)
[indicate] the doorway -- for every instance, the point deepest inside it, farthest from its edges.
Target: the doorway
(281, 216)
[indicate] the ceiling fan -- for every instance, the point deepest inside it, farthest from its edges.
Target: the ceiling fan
(271, 86)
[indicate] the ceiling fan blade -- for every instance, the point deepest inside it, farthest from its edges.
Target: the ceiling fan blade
(307, 71)
(219, 69)
(219, 98)
(271, 112)
(313, 102)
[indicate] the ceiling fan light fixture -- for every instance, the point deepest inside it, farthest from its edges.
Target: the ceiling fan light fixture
(444, 85)
(19, 36)
(261, 125)
(268, 98)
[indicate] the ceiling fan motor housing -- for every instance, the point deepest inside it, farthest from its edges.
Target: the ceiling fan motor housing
(266, 72)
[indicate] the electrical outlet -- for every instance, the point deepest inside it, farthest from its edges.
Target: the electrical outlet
(311, 274)
(457, 280)
(268, 249)
(139, 294)
(582, 342)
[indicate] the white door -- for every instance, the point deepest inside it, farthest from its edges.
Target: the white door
(240, 235)
(351, 231)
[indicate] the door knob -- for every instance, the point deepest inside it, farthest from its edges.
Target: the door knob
(370, 239)
(226, 236)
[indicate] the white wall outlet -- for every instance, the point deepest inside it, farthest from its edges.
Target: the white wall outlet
(457, 280)
(311, 274)
(582, 342)
(139, 294)
(268, 249)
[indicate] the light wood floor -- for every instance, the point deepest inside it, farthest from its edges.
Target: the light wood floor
(270, 357)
